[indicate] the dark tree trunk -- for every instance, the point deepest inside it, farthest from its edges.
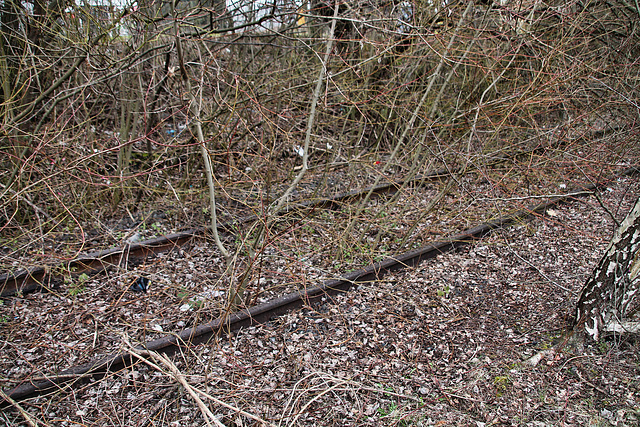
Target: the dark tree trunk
(607, 294)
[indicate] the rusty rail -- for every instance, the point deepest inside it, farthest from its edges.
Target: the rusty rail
(34, 279)
(276, 307)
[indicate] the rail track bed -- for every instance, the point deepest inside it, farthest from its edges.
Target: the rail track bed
(35, 278)
(389, 348)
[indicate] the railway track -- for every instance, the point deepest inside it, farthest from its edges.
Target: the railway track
(261, 313)
(47, 277)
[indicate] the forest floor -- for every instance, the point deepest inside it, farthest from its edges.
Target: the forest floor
(445, 343)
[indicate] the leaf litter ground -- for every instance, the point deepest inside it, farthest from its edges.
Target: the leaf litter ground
(439, 344)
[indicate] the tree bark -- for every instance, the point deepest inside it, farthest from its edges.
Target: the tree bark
(606, 296)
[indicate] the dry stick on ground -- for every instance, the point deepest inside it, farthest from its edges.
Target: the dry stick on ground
(195, 393)
(348, 384)
(28, 418)
(176, 375)
(409, 125)
(338, 383)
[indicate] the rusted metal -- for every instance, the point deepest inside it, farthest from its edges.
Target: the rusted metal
(276, 307)
(30, 280)
(34, 279)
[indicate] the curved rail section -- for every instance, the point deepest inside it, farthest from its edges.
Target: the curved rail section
(263, 312)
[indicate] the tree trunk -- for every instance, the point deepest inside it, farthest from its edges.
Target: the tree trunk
(606, 296)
